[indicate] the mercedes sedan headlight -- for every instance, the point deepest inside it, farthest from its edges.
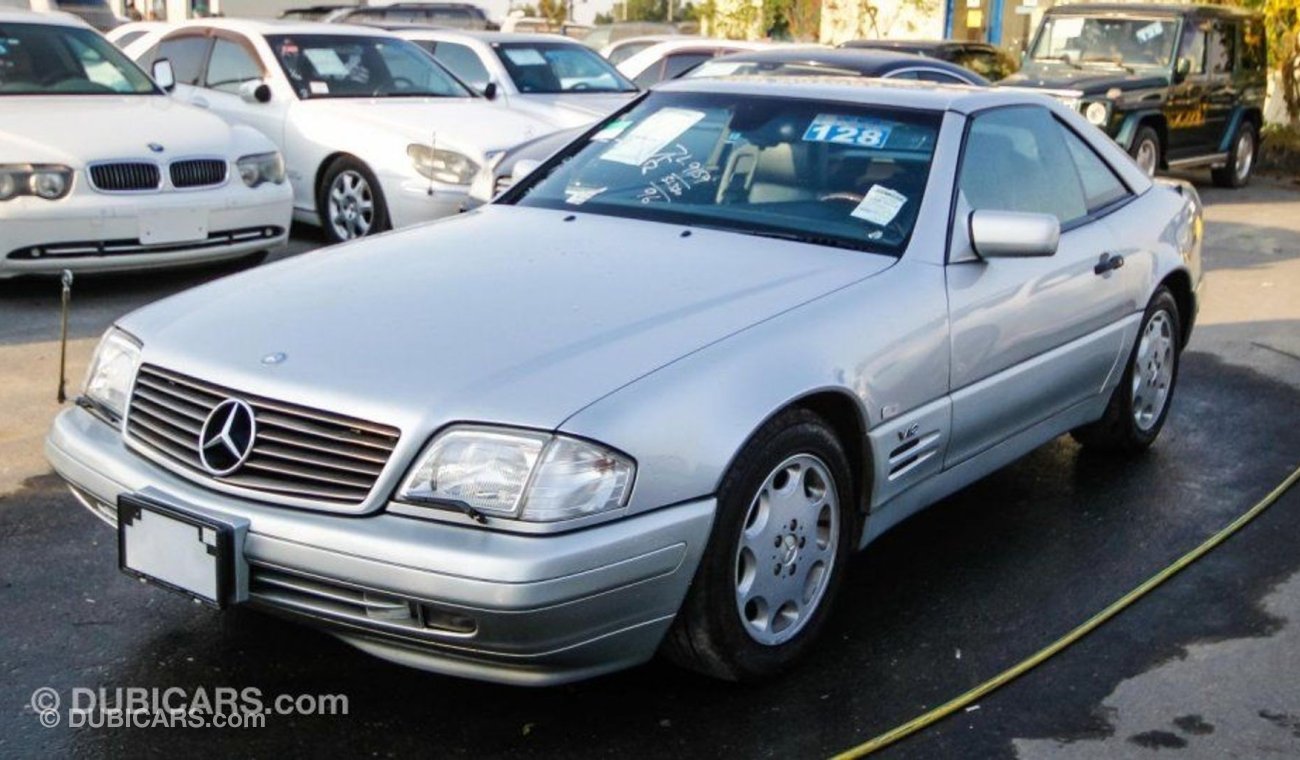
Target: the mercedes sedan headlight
(112, 371)
(48, 181)
(1097, 113)
(518, 474)
(442, 165)
(261, 168)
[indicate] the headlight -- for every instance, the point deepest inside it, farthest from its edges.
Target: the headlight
(112, 370)
(48, 181)
(442, 165)
(519, 474)
(261, 168)
(1097, 113)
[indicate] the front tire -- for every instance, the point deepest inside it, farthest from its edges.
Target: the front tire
(776, 556)
(1241, 159)
(1146, 150)
(350, 201)
(1140, 403)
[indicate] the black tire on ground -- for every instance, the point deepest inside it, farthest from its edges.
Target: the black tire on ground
(1244, 142)
(1118, 431)
(708, 634)
(379, 220)
(1147, 136)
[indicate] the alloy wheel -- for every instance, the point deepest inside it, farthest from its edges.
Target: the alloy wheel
(1245, 154)
(787, 549)
(351, 205)
(1153, 370)
(1146, 157)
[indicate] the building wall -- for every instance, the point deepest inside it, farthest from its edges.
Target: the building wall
(844, 20)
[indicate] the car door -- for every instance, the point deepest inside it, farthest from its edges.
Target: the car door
(1221, 91)
(1185, 110)
(1032, 337)
(232, 64)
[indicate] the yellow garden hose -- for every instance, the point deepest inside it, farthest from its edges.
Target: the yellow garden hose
(1119, 605)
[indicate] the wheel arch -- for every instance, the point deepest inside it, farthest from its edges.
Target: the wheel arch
(1179, 283)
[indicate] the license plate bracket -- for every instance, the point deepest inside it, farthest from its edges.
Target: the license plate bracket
(173, 226)
(182, 551)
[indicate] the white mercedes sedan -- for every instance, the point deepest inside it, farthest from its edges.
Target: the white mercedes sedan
(654, 396)
(101, 171)
(375, 134)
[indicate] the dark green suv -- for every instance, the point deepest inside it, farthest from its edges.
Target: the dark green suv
(1176, 85)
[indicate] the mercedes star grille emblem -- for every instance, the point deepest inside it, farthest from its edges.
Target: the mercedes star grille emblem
(227, 436)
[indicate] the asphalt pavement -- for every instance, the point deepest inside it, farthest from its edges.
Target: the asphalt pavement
(1206, 666)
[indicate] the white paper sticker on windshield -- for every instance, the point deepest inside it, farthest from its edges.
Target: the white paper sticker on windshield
(318, 87)
(326, 62)
(649, 137)
(1067, 27)
(524, 56)
(1150, 31)
(576, 196)
(880, 206)
(611, 130)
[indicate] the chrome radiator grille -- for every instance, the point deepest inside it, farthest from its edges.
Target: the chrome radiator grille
(125, 177)
(198, 172)
(297, 452)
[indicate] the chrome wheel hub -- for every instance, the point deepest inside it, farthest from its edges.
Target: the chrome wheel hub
(787, 549)
(1146, 157)
(1153, 370)
(1245, 155)
(351, 205)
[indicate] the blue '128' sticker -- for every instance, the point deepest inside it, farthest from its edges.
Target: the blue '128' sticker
(847, 130)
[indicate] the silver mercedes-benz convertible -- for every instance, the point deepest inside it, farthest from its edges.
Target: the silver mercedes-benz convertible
(651, 398)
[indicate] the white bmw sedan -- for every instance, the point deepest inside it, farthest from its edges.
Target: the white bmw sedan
(374, 132)
(100, 170)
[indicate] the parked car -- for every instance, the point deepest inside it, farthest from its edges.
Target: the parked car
(503, 168)
(93, 12)
(101, 171)
(821, 61)
(314, 12)
(1178, 86)
(535, 25)
(620, 50)
(606, 34)
(672, 58)
(375, 133)
(135, 31)
(657, 393)
(452, 15)
(548, 77)
(989, 61)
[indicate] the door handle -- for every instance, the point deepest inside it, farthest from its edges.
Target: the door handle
(1108, 262)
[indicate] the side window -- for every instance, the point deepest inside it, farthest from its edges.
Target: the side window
(1223, 47)
(1015, 159)
(679, 64)
(650, 75)
(1100, 185)
(186, 54)
(1193, 48)
(463, 62)
(1253, 55)
(934, 75)
(230, 66)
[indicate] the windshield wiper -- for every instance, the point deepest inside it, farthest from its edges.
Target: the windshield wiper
(1111, 60)
(1067, 60)
(796, 237)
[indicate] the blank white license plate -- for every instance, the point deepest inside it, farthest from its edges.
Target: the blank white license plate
(176, 550)
(176, 226)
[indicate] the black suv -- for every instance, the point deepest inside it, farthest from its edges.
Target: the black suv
(1176, 85)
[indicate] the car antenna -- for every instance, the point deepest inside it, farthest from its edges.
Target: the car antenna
(66, 280)
(433, 150)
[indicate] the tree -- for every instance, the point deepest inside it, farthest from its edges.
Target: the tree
(556, 12)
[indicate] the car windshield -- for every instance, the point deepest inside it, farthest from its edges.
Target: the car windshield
(351, 66)
(1078, 40)
(553, 67)
(826, 173)
(49, 59)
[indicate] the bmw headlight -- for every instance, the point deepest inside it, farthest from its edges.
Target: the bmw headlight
(1097, 113)
(112, 371)
(442, 165)
(48, 181)
(518, 474)
(261, 168)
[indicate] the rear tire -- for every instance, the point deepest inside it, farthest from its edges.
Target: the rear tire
(1241, 158)
(350, 201)
(1140, 403)
(775, 559)
(1146, 150)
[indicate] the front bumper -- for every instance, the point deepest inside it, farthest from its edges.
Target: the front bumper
(412, 200)
(95, 232)
(544, 609)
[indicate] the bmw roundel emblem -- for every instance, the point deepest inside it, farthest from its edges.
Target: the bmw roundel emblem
(156, 148)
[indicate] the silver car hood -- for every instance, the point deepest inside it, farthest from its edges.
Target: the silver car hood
(505, 314)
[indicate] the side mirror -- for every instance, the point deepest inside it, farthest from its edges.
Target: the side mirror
(490, 90)
(163, 75)
(1013, 234)
(523, 167)
(1182, 68)
(255, 91)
